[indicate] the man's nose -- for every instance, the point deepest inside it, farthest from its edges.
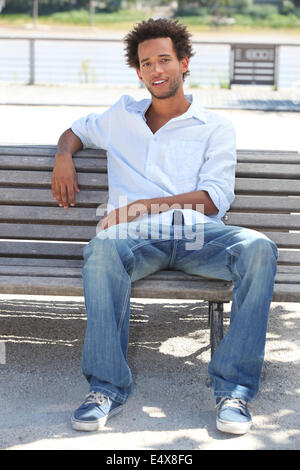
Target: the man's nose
(157, 68)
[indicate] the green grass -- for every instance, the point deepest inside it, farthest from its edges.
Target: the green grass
(124, 19)
(78, 18)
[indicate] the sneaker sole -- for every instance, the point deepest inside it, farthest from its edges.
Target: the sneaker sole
(233, 428)
(91, 426)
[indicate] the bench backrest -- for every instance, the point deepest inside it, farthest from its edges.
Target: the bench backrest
(267, 199)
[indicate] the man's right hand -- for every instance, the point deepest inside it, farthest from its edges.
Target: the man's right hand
(64, 180)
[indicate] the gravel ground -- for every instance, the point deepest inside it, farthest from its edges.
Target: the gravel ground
(172, 406)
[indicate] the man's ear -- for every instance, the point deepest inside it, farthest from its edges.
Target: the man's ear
(139, 74)
(184, 64)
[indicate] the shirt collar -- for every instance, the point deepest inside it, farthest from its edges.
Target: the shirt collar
(195, 110)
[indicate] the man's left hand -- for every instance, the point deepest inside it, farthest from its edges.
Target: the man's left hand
(124, 214)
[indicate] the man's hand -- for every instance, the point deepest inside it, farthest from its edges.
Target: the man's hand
(124, 214)
(64, 180)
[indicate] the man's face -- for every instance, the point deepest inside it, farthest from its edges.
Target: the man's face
(160, 69)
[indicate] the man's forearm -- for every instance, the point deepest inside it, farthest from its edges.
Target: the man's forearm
(64, 178)
(68, 143)
(193, 200)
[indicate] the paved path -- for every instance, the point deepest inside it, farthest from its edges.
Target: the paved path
(239, 97)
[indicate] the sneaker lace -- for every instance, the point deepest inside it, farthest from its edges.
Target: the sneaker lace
(233, 403)
(95, 397)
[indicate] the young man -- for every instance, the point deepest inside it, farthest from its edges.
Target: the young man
(165, 153)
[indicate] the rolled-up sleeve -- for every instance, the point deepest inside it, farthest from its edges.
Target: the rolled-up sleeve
(217, 174)
(93, 130)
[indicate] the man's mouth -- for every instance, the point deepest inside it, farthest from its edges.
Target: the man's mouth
(159, 83)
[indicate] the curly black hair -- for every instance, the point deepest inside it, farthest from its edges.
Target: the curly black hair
(160, 28)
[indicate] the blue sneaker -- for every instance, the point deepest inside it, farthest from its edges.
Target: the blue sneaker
(94, 412)
(233, 415)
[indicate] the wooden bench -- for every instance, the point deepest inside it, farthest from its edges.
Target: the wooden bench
(41, 243)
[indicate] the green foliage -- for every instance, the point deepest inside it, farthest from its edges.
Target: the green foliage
(188, 11)
(110, 6)
(45, 6)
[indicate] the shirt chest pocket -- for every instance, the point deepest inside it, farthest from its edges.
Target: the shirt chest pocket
(185, 159)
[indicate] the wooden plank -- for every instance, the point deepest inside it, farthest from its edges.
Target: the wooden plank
(46, 150)
(286, 293)
(54, 215)
(46, 162)
(287, 269)
(42, 197)
(214, 291)
(267, 203)
(266, 151)
(268, 170)
(205, 290)
(41, 271)
(43, 262)
(289, 257)
(40, 286)
(74, 250)
(284, 240)
(282, 278)
(270, 157)
(41, 250)
(43, 179)
(48, 232)
(70, 272)
(267, 186)
(264, 221)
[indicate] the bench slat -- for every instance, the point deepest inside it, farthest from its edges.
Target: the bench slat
(51, 149)
(39, 196)
(70, 272)
(205, 290)
(266, 204)
(268, 170)
(286, 293)
(45, 163)
(268, 157)
(41, 250)
(262, 186)
(78, 263)
(86, 233)
(43, 262)
(59, 215)
(257, 168)
(47, 232)
(43, 179)
(48, 150)
(264, 221)
(284, 240)
(74, 250)
(43, 197)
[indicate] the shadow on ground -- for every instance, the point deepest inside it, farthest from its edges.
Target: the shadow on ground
(172, 406)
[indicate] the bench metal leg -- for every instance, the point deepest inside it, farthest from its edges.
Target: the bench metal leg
(215, 318)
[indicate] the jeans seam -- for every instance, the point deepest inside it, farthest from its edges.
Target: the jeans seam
(123, 312)
(146, 242)
(229, 249)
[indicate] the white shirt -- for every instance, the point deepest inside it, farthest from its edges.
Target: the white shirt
(194, 151)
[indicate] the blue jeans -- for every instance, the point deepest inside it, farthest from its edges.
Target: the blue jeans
(119, 256)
